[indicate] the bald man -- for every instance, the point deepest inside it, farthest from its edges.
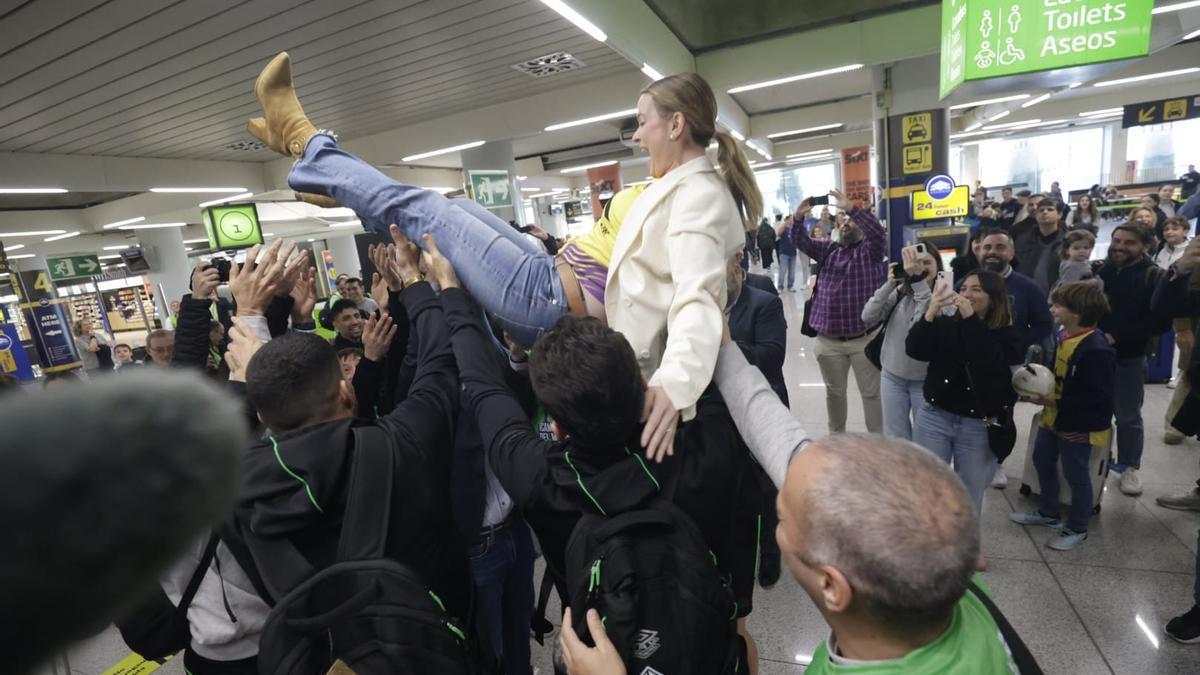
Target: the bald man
(888, 565)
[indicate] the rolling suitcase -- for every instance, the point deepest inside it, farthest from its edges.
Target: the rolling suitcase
(1097, 463)
(1160, 364)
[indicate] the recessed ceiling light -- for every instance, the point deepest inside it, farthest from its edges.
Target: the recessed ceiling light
(1163, 9)
(585, 167)
(201, 240)
(1035, 101)
(1000, 115)
(795, 132)
(590, 120)
(795, 78)
(349, 223)
(109, 257)
(1189, 36)
(521, 177)
(1075, 85)
(737, 134)
(14, 247)
(1105, 111)
(650, 72)
(32, 191)
(810, 152)
(123, 222)
(530, 189)
(442, 151)
(975, 126)
(542, 194)
(117, 247)
(23, 255)
(244, 195)
(759, 150)
(151, 226)
(62, 236)
(268, 234)
(1010, 125)
(986, 101)
(31, 233)
(311, 240)
(197, 189)
(576, 18)
(1150, 76)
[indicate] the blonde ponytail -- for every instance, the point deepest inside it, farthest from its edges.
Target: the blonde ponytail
(735, 169)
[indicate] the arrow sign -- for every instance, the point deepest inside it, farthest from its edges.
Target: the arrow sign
(1146, 115)
(1182, 107)
(69, 267)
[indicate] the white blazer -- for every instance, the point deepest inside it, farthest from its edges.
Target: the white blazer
(666, 282)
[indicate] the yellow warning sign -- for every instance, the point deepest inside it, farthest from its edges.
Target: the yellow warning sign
(1175, 109)
(8, 363)
(133, 664)
(918, 158)
(917, 128)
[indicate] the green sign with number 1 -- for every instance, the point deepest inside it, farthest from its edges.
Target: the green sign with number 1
(982, 39)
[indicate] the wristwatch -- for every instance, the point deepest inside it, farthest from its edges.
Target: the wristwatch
(415, 279)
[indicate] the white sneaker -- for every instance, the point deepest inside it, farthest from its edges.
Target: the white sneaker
(1131, 482)
(1173, 382)
(999, 481)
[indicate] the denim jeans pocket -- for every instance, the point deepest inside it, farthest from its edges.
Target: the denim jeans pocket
(481, 546)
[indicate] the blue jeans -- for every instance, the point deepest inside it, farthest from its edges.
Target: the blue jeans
(787, 272)
(1047, 449)
(505, 272)
(962, 441)
(502, 569)
(901, 398)
(1130, 392)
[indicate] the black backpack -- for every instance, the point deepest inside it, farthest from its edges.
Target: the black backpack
(655, 583)
(766, 236)
(370, 612)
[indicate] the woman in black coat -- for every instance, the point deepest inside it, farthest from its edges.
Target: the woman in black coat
(971, 348)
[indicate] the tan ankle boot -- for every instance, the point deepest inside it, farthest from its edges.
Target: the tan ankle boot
(283, 127)
(317, 200)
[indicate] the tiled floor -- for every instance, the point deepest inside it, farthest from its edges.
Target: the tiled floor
(1098, 609)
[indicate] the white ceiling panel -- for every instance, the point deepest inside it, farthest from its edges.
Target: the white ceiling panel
(113, 78)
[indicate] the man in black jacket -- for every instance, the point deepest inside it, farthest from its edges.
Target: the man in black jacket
(295, 481)
(347, 319)
(1129, 278)
(587, 378)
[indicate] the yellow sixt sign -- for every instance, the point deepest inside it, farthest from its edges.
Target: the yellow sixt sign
(925, 207)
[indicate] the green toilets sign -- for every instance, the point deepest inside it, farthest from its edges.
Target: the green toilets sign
(982, 39)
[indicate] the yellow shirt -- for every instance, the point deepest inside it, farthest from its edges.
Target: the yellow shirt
(590, 254)
(1062, 359)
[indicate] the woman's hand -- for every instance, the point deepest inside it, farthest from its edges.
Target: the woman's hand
(660, 418)
(942, 297)
(965, 310)
(913, 266)
(580, 659)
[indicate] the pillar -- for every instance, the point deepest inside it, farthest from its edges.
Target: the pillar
(496, 156)
(170, 269)
(345, 255)
(1118, 149)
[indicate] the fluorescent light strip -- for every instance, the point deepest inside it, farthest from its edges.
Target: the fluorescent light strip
(109, 257)
(153, 226)
(794, 78)
(1189, 36)
(810, 152)
(350, 223)
(1037, 100)
(1151, 76)
(1175, 7)
(118, 247)
(531, 189)
(14, 248)
(1075, 85)
(589, 120)
(22, 256)
(244, 195)
(759, 150)
(585, 167)
(62, 236)
(31, 233)
(1106, 111)
(197, 190)
(737, 134)
(999, 116)
(542, 194)
(576, 18)
(123, 222)
(32, 191)
(650, 72)
(201, 240)
(442, 151)
(1010, 125)
(795, 132)
(521, 177)
(975, 126)
(811, 159)
(987, 101)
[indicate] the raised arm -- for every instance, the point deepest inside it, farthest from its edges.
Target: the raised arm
(813, 248)
(773, 435)
(191, 330)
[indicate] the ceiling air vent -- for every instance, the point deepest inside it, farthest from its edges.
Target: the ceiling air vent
(246, 146)
(551, 64)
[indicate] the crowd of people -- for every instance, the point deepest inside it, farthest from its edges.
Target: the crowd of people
(618, 407)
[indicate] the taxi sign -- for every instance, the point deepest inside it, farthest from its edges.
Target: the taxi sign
(925, 207)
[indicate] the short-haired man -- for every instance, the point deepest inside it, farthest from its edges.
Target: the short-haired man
(353, 291)
(297, 479)
(1039, 246)
(160, 347)
(1031, 315)
(1129, 277)
(889, 567)
(1009, 208)
(347, 320)
(123, 356)
(851, 270)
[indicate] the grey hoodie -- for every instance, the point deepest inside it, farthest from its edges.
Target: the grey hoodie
(215, 635)
(895, 358)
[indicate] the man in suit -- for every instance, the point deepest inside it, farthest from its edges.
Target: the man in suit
(757, 325)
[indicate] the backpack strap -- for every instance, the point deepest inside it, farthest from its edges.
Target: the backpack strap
(369, 495)
(1026, 664)
(206, 558)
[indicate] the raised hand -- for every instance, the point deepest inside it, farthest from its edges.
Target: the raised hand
(304, 295)
(377, 337)
(243, 345)
(205, 279)
(253, 283)
(379, 291)
(439, 267)
(840, 199)
(383, 257)
(406, 255)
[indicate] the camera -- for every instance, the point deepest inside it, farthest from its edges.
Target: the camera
(222, 266)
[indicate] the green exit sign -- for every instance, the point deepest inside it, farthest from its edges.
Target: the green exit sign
(69, 267)
(982, 39)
